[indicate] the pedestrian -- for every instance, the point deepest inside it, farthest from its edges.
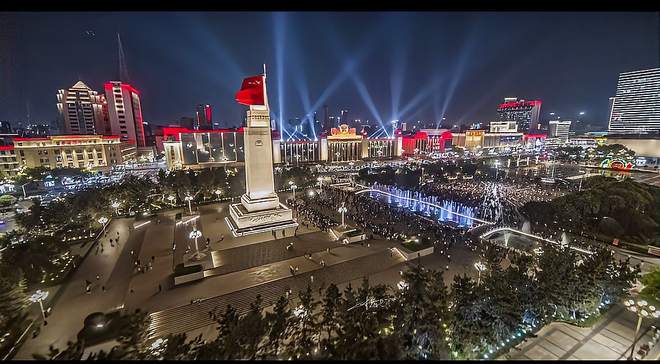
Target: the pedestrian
(138, 261)
(139, 269)
(98, 276)
(132, 291)
(284, 233)
(323, 263)
(153, 258)
(103, 288)
(117, 233)
(311, 278)
(274, 236)
(132, 252)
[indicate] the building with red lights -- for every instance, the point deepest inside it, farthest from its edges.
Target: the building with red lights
(204, 117)
(82, 110)
(125, 113)
(525, 113)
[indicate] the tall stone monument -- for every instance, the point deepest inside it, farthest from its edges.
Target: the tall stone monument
(260, 210)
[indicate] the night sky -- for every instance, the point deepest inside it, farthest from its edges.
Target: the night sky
(381, 66)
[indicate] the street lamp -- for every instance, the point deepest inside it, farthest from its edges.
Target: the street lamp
(218, 193)
(342, 210)
(196, 234)
(189, 198)
(293, 188)
(40, 296)
(643, 310)
(171, 198)
(116, 205)
(102, 220)
(480, 267)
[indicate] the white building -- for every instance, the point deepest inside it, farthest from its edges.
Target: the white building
(559, 129)
(636, 107)
(81, 110)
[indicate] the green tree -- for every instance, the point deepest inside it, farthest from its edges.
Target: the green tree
(303, 328)
(277, 322)
(651, 290)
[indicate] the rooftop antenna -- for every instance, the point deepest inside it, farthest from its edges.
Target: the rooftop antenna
(123, 69)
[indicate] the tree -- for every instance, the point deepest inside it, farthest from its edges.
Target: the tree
(469, 330)
(277, 322)
(651, 290)
(13, 302)
(303, 328)
(422, 316)
(329, 320)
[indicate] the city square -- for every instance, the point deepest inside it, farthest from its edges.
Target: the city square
(259, 230)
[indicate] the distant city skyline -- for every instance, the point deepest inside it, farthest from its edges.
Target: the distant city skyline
(380, 66)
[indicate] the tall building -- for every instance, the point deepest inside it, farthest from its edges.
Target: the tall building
(82, 110)
(204, 117)
(524, 113)
(559, 129)
(343, 116)
(636, 107)
(125, 112)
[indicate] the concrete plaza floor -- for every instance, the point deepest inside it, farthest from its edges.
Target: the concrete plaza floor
(609, 339)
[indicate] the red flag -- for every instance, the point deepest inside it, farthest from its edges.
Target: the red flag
(252, 91)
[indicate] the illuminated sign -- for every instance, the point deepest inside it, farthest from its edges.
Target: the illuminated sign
(617, 164)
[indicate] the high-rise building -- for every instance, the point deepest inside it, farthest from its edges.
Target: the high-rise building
(559, 129)
(204, 117)
(343, 116)
(82, 110)
(636, 107)
(524, 113)
(125, 112)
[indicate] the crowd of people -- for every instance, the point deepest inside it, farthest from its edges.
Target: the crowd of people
(377, 218)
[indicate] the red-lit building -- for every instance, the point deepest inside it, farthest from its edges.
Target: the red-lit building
(427, 141)
(525, 113)
(204, 117)
(125, 112)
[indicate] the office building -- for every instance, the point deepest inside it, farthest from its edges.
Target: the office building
(636, 107)
(82, 110)
(558, 130)
(72, 151)
(524, 113)
(204, 119)
(125, 112)
(503, 127)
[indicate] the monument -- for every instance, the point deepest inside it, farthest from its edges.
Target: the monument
(260, 210)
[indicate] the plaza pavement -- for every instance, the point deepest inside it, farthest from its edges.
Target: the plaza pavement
(73, 305)
(608, 339)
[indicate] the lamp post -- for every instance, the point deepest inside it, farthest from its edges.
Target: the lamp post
(480, 267)
(171, 199)
(196, 234)
(189, 198)
(293, 188)
(40, 296)
(116, 205)
(643, 310)
(103, 220)
(342, 210)
(218, 193)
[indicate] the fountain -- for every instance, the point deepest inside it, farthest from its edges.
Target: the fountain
(526, 227)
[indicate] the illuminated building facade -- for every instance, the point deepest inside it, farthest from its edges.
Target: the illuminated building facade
(202, 148)
(427, 141)
(71, 151)
(82, 110)
(524, 113)
(125, 112)
(187, 148)
(636, 107)
(558, 131)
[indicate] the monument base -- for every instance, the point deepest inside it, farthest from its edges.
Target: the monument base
(242, 222)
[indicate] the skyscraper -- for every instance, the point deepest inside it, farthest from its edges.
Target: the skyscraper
(125, 112)
(82, 110)
(636, 107)
(204, 117)
(524, 113)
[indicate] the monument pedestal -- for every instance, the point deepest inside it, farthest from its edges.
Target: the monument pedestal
(243, 222)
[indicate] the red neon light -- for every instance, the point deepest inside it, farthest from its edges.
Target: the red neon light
(177, 131)
(517, 104)
(207, 109)
(447, 136)
(6, 147)
(130, 88)
(534, 136)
